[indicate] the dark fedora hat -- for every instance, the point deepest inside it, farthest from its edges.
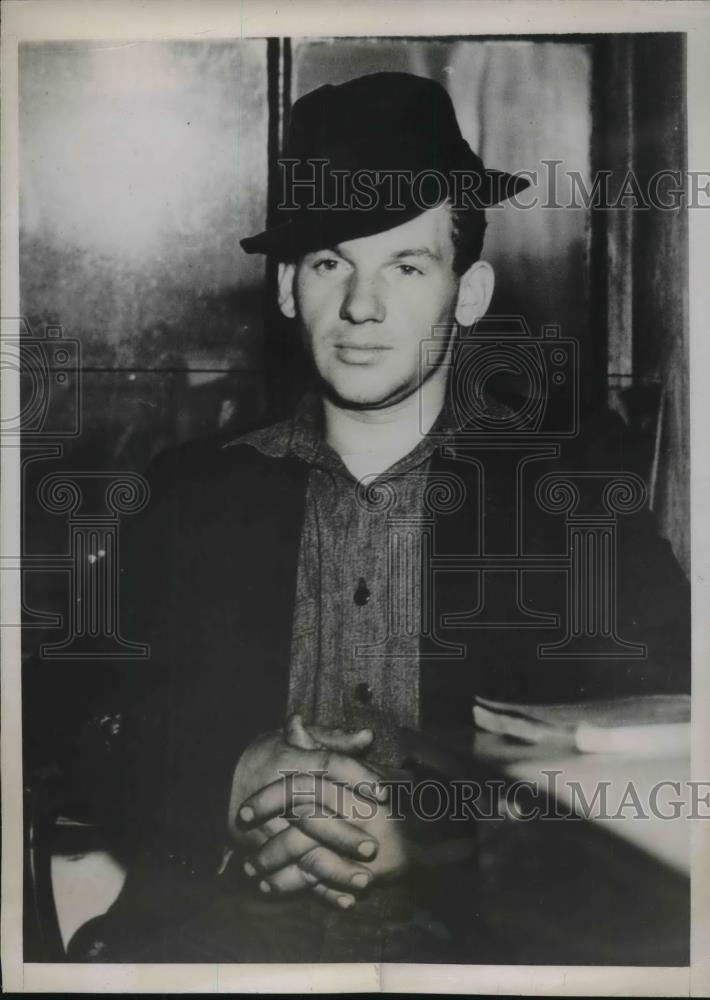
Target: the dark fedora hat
(371, 154)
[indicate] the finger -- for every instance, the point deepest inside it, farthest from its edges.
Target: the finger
(334, 897)
(336, 833)
(269, 829)
(273, 826)
(248, 841)
(347, 741)
(340, 768)
(284, 849)
(332, 870)
(308, 796)
(293, 843)
(320, 784)
(285, 882)
(298, 735)
(292, 879)
(343, 740)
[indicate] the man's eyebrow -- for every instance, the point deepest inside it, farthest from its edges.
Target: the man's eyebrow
(326, 250)
(398, 255)
(416, 252)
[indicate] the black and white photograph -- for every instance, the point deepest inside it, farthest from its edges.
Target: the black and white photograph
(347, 551)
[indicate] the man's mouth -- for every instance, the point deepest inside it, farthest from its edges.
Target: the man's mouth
(360, 354)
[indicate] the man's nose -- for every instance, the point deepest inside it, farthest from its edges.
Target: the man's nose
(362, 302)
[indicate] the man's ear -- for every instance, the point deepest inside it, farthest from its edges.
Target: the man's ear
(475, 293)
(287, 302)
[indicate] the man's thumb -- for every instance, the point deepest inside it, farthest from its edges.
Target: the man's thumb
(347, 741)
(318, 737)
(297, 735)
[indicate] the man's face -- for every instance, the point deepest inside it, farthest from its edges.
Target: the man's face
(366, 305)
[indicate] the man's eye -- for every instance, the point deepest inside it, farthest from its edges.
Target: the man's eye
(408, 269)
(325, 264)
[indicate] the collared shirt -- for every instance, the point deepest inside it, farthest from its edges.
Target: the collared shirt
(356, 624)
(356, 631)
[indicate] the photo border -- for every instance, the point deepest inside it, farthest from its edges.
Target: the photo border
(135, 19)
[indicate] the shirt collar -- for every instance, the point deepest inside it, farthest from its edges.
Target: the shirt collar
(302, 436)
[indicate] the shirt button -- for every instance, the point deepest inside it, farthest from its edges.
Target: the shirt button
(362, 594)
(363, 693)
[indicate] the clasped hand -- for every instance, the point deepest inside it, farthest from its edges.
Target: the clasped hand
(309, 815)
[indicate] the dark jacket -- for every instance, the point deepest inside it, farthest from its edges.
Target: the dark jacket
(208, 580)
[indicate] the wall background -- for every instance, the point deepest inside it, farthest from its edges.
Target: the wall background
(141, 166)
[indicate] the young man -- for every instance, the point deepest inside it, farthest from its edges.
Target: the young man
(294, 623)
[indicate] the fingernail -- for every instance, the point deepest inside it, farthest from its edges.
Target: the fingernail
(264, 886)
(249, 869)
(310, 877)
(366, 849)
(381, 793)
(246, 814)
(360, 880)
(345, 902)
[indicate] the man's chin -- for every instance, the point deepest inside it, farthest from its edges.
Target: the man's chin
(350, 398)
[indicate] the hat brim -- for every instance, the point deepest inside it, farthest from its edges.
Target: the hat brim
(318, 229)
